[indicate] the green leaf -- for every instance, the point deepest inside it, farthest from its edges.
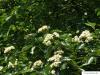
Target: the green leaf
(26, 47)
(63, 66)
(98, 13)
(91, 24)
(89, 61)
(97, 52)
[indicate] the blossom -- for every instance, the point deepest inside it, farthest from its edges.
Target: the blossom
(86, 35)
(89, 39)
(7, 49)
(47, 43)
(59, 52)
(55, 58)
(76, 39)
(43, 28)
(37, 64)
(47, 39)
(85, 13)
(55, 64)
(1, 67)
(56, 34)
(53, 72)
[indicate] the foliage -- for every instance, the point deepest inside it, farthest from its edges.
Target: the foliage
(26, 50)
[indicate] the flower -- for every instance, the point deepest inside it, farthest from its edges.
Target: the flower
(89, 39)
(47, 39)
(43, 28)
(1, 67)
(7, 49)
(55, 58)
(37, 64)
(76, 39)
(85, 13)
(47, 43)
(59, 52)
(86, 35)
(56, 34)
(55, 64)
(53, 72)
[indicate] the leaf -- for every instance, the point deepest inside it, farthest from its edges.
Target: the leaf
(89, 61)
(97, 52)
(98, 13)
(8, 18)
(32, 50)
(26, 47)
(91, 24)
(63, 66)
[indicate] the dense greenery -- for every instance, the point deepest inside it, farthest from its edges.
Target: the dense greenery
(45, 37)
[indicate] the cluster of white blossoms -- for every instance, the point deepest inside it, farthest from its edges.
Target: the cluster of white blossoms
(76, 39)
(43, 28)
(85, 36)
(56, 34)
(49, 37)
(37, 64)
(56, 60)
(7, 49)
(58, 52)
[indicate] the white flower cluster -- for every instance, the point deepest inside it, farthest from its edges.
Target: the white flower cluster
(56, 34)
(37, 64)
(49, 37)
(43, 28)
(76, 39)
(7, 49)
(84, 36)
(56, 59)
(58, 52)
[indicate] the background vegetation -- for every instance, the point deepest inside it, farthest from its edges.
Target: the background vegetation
(21, 42)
